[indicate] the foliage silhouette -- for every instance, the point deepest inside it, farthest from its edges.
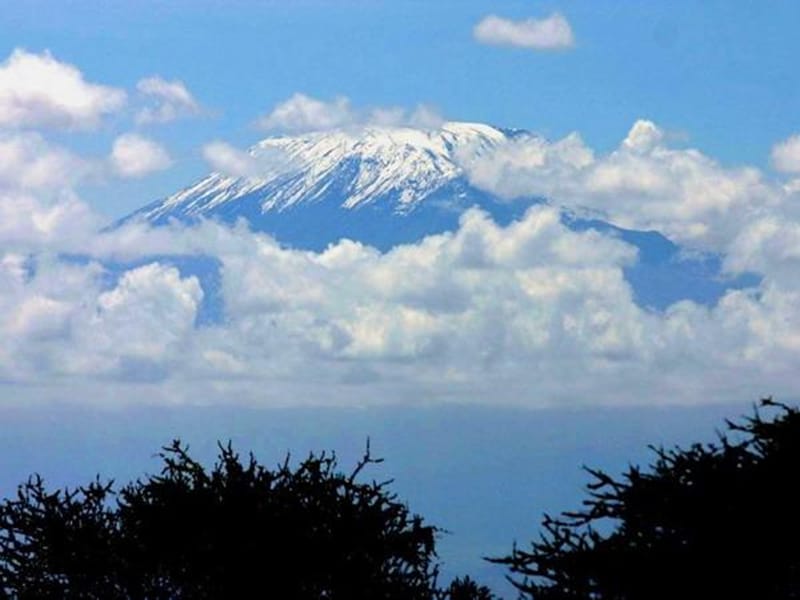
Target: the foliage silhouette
(465, 588)
(237, 531)
(711, 521)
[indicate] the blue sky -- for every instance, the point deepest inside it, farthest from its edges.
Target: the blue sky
(524, 344)
(719, 74)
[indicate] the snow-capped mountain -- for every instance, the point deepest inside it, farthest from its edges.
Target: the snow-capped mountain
(380, 185)
(389, 185)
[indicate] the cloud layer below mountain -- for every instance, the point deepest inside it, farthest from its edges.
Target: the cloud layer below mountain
(532, 314)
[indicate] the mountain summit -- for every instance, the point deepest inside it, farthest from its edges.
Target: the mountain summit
(380, 185)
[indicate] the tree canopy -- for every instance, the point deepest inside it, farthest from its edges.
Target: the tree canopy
(239, 530)
(717, 520)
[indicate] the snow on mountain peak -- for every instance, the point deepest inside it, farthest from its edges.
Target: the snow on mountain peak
(352, 167)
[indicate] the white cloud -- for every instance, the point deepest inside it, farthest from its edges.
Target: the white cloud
(302, 113)
(644, 136)
(133, 155)
(60, 320)
(229, 160)
(28, 222)
(425, 116)
(146, 316)
(29, 162)
(768, 244)
(643, 184)
(37, 203)
(169, 100)
(551, 33)
(36, 90)
(786, 155)
(39, 317)
(532, 313)
(486, 296)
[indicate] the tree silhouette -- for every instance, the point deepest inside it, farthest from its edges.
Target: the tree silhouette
(465, 588)
(239, 530)
(710, 521)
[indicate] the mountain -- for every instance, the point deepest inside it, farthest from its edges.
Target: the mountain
(380, 185)
(385, 186)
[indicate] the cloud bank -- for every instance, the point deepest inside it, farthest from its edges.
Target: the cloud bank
(643, 184)
(532, 314)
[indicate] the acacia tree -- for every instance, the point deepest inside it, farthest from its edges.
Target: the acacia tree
(710, 521)
(239, 530)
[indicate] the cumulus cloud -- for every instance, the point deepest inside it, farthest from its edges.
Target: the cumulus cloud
(533, 309)
(141, 323)
(302, 113)
(485, 298)
(30, 222)
(60, 320)
(551, 33)
(37, 90)
(644, 136)
(786, 155)
(768, 244)
(133, 155)
(168, 100)
(643, 184)
(37, 201)
(29, 162)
